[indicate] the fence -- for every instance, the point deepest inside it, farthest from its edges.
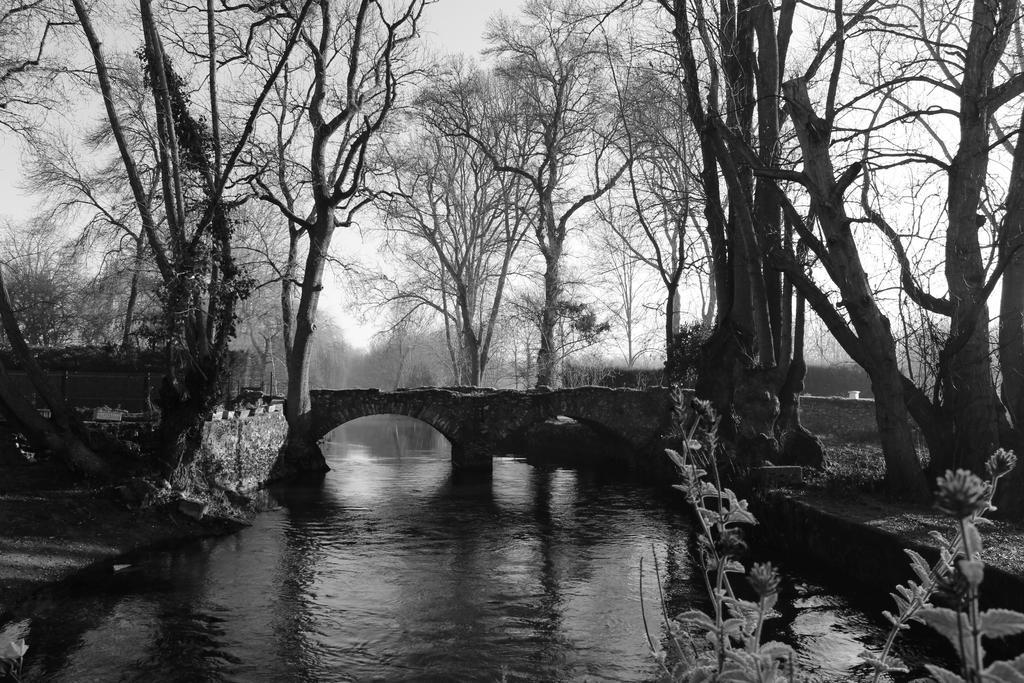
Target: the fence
(127, 390)
(131, 391)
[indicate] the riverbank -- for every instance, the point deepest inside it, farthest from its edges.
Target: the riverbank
(842, 522)
(53, 528)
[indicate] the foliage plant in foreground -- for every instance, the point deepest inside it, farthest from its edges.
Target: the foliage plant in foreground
(726, 644)
(12, 654)
(958, 571)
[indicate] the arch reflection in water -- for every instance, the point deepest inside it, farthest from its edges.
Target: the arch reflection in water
(524, 573)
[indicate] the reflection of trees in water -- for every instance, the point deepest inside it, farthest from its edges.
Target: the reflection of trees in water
(550, 618)
(57, 625)
(189, 642)
(295, 575)
(72, 629)
(681, 576)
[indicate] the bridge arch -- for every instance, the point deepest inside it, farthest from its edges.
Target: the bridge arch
(386, 432)
(440, 426)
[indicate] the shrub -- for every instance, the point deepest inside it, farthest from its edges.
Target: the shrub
(725, 644)
(958, 571)
(682, 362)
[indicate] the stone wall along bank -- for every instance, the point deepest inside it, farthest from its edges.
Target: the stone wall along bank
(845, 419)
(239, 453)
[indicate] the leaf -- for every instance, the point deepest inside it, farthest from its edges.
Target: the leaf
(705, 674)
(734, 566)
(741, 607)
(1009, 671)
(709, 490)
(710, 516)
(918, 564)
(890, 665)
(943, 675)
(14, 649)
(734, 626)
(697, 618)
(954, 626)
(1000, 623)
(740, 516)
(973, 571)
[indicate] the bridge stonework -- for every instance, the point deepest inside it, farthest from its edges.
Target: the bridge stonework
(475, 421)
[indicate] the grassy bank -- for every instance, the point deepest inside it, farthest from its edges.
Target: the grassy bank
(53, 528)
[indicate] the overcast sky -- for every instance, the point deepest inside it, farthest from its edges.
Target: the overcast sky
(451, 26)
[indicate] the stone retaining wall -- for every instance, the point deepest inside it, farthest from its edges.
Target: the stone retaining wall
(850, 419)
(873, 557)
(238, 454)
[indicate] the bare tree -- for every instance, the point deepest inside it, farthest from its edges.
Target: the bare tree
(456, 223)
(930, 99)
(191, 238)
(553, 63)
(73, 190)
(655, 212)
(354, 54)
(621, 273)
(28, 69)
(43, 282)
(27, 88)
(972, 167)
(739, 126)
(63, 433)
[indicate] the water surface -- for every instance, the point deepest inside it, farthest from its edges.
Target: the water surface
(394, 569)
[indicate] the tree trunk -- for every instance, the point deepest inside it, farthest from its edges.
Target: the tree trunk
(547, 356)
(303, 451)
(793, 386)
(471, 351)
(65, 434)
(965, 372)
(1010, 496)
(671, 316)
(133, 295)
(1011, 333)
(287, 290)
(971, 400)
(903, 475)
(44, 435)
(182, 415)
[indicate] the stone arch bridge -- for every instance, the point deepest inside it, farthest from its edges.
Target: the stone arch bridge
(475, 421)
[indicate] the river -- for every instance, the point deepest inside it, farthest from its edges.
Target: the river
(394, 569)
